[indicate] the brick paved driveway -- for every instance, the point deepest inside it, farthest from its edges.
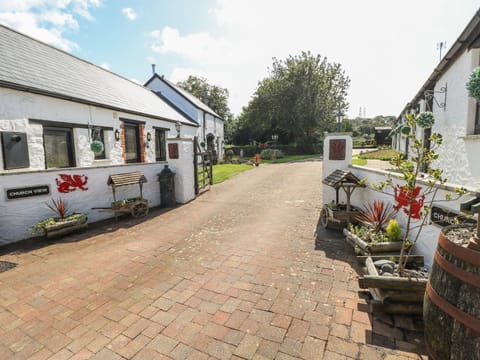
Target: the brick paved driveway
(236, 274)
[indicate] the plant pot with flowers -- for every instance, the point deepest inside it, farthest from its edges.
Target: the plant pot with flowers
(377, 232)
(403, 289)
(63, 223)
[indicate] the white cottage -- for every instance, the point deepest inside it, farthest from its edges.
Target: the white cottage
(55, 109)
(457, 115)
(210, 130)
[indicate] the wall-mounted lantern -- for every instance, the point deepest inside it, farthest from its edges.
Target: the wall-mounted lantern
(178, 126)
(117, 135)
(149, 136)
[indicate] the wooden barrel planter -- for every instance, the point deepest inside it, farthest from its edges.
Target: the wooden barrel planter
(451, 308)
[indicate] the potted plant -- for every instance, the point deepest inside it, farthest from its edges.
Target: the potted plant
(473, 84)
(414, 199)
(371, 236)
(63, 223)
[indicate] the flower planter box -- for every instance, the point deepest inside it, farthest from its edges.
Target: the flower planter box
(366, 248)
(67, 226)
(393, 294)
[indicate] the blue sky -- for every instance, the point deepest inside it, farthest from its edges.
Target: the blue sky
(387, 48)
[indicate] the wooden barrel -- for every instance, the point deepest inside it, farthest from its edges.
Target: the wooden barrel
(451, 307)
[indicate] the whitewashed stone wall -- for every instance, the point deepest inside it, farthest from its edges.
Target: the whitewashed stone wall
(16, 108)
(209, 124)
(183, 167)
(428, 239)
(427, 242)
(180, 101)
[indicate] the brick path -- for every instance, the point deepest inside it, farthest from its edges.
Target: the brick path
(237, 274)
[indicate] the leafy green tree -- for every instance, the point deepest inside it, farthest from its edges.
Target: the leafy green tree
(299, 100)
(213, 96)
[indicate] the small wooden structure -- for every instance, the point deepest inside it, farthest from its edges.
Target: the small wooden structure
(340, 214)
(136, 206)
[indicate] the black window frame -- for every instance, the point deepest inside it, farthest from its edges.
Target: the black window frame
(476, 124)
(136, 127)
(160, 144)
(68, 131)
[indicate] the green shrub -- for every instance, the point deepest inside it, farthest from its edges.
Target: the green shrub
(394, 232)
(267, 154)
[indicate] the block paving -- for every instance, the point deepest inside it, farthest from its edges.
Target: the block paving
(242, 272)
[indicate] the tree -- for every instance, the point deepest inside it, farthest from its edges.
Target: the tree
(213, 96)
(299, 100)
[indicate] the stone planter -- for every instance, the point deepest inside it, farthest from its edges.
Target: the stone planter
(393, 294)
(366, 248)
(67, 226)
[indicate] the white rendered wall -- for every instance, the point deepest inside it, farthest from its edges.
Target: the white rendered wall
(330, 166)
(427, 242)
(16, 108)
(183, 167)
(459, 153)
(173, 96)
(212, 124)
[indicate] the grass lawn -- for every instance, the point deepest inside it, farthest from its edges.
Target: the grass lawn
(361, 162)
(226, 171)
(386, 154)
(292, 158)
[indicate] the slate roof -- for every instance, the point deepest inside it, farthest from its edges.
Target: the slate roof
(192, 99)
(341, 177)
(30, 65)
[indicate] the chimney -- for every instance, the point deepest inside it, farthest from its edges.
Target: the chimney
(153, 69)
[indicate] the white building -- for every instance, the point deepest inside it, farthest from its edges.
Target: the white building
(210, 130)
(52, 107)
(457, 115)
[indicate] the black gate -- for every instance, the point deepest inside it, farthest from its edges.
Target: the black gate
(202, 166)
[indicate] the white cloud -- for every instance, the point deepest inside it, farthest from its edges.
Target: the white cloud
(47, 20)
(129, 13)
(105, 66)
(386, 48)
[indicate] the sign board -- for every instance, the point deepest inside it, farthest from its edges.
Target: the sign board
(445, 217)
(173, 151)
(19, 193)
(337, 149)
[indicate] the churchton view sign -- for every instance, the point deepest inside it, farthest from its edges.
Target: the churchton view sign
(18, 193)
(445, 217)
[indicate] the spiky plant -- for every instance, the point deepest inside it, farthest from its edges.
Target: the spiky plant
(376, 214)
(59, 207)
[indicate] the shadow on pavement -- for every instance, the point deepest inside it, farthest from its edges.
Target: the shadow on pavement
(396, 332)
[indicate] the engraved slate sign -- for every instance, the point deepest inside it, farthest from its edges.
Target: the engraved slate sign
(173, 151)
(337, 149)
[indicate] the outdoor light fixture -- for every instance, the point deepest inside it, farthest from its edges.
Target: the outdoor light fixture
(178, 126)
(117, 135)
(339, 120)
(149, 136)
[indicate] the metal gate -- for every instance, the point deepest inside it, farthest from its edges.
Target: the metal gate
(202, 166)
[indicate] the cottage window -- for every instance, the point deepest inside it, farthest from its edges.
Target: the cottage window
(58, 146)
(132, 142)
(476, 129)
(160, 146)
(97, 135)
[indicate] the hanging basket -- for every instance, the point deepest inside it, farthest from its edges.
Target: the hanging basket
(426, 119)
(97, 147)
(473, 84)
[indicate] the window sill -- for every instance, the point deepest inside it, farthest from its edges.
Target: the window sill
(475, 137)
(102, 161)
